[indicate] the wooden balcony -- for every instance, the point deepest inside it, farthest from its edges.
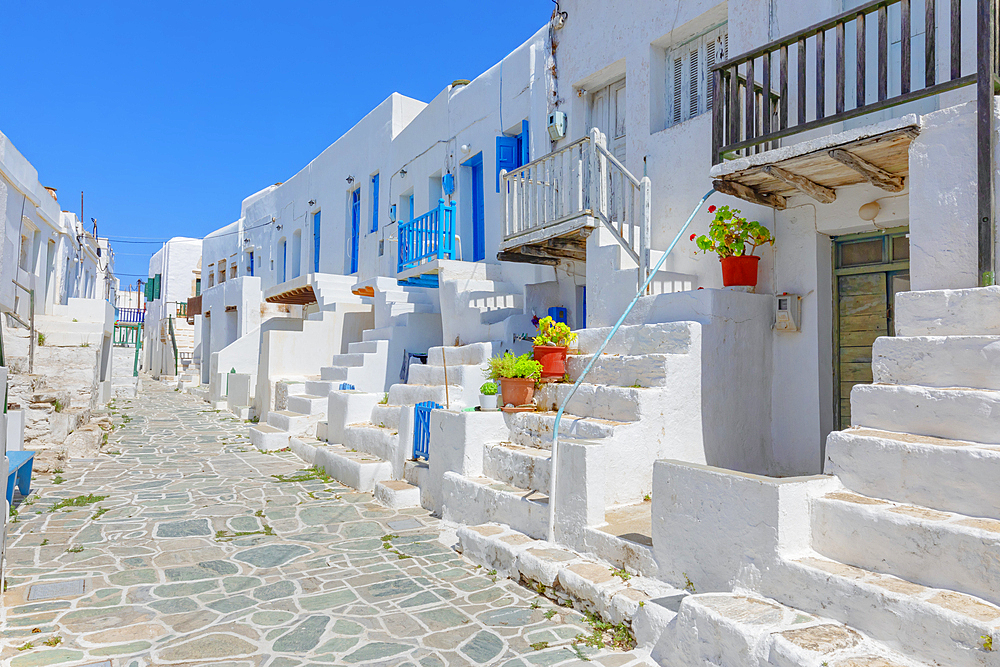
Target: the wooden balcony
(765, 99)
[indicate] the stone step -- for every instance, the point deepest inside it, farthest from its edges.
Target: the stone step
(622, 404)
(959, 312)
(351, 359)
(476, 500)
(334, 374)
(938, 361)
(499, 315)
(397, 309)
(371, 439)
(908, 468)
(397, 494)
(386, 416)
(372, 335)
(411, 394)
(355, 469)
(902, 539)
(646, 370)
(521, 467)
(641, 339)
(534, 429)
(475, 354)
(365, 347)
(954, 414)
(267, 438)
(308, 404)
(470, 376)
(920, 622)
(321, 387)
(295, 423)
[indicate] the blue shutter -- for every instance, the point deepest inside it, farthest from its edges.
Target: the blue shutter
(251, 264)
(478, 213)
(284, 261)
(355, 227)
(316, 234)
(525, 144)
(375, 203)
(508, 155)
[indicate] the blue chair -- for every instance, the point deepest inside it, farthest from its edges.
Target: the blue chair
(20, 468)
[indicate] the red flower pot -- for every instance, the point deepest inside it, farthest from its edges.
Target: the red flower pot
(553, 361)
(517, 391)
(739, 271)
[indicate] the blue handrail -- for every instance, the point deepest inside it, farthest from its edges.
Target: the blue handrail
(553, 468)
(432, 235)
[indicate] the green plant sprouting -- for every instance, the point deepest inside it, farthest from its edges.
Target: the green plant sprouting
(729, 234)
(509, 366)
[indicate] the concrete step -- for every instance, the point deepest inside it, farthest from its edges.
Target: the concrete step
(267, 438)
(959, 312)
(622, 404)
(411, 394)
(386, 416)
(534, 429)
(471, 376)
(365, 347)
(919, 622)
(321, 387)
(646, 370)
(938, 361)
(372, 439)
(640, 339)
(476, 500)
(908, 468)
(383, 333)
(352, 359)
(397, 494)
(954, 414)
(308, 404)
(355, 469)
(475, 354)
(517, 466)
(397, 309)
(295, 423)
(902, 539)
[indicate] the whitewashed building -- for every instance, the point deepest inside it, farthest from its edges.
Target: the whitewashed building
(170, 335)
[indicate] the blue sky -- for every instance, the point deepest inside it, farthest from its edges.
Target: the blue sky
(168, 114)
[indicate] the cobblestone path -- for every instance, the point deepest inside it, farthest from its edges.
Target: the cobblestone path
(202, 551)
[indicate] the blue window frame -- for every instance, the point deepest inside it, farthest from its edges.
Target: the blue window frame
(374, 203)
(355, 227)
(475, 165)
(513, 152)
(316, 235)
(284, 261)
(251, 263)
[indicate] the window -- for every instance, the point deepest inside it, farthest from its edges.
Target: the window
(689, 90)
(411, 207)
(316, 234)
(374, 227)
(197, 286)
(250, 265)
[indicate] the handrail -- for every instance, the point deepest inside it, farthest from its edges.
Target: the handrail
(553, 467)
(31, 326)
(537, 161)
(614, 161)
(173, 340)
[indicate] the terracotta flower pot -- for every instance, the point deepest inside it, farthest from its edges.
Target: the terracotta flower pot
(553, 361)
(517, 391)
(739, 271)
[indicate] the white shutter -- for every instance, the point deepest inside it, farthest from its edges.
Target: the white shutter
(696, 76)
(676, 90)
(690, 87)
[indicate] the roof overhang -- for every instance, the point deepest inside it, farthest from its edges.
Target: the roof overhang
(295, 292)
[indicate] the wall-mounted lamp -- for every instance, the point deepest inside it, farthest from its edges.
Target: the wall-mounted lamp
(402, 172)
(466, 149)
(350, 179)
(869, 211)
(312, 202)
(278, 228)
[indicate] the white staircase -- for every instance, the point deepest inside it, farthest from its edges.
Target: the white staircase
(908, 550)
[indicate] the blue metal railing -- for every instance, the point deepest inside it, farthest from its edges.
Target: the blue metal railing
(553, 468)
(431, 236)
(130, 315)
(422, 429)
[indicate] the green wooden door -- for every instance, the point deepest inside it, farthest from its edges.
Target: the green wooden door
(869, 269)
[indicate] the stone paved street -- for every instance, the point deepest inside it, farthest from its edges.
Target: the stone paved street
(203, 551)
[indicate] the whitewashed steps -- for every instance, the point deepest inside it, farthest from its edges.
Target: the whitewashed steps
(955, 414)
(909, 468)
(475, 500)
(598, 401)
(520, 467)
(960, 312)
(903, 540)
(267, 438)
(938, 361)
(358, 470)
(295, 423)
(534, 429)
(308, 404)
(926, 623)
(397, 494)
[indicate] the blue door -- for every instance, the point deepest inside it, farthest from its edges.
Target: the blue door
(478, 208)
(251, 263)
(422, 429)
(355, 227)
(374, 203)
(284, 261)
(316, 230)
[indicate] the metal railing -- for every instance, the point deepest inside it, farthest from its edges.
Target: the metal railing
(431, 236)
(130, 315)
(173, 343)
(553, 467)
(30, 325)
(182, 309)
(582, 179)
(127, 334)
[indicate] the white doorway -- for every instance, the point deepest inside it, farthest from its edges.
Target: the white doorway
(607, 113)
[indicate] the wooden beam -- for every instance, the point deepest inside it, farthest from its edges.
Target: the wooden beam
(749, 194)
(874, 174)
(567, 244)
(578, 254)
(526, 259)
(820, 193)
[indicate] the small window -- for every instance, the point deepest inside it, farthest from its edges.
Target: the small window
(197, 286)
(859, 253)
(690, 90)
(374, 227)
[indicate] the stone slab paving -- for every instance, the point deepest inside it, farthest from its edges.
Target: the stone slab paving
(204, 551)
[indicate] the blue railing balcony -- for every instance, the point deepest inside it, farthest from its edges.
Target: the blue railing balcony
(431, 236)
(130, 315)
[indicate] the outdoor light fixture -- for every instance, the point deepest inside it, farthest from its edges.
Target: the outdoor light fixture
(278, 228)
(466, 148)
(869, 211)
(312, 202)
(350, 179)
(402, 172)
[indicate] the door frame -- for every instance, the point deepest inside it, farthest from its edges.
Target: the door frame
(888, 265)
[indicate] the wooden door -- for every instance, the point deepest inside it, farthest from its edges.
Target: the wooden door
(607, 113)
(870, 269)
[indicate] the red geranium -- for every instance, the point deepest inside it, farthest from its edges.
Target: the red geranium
(711, 209)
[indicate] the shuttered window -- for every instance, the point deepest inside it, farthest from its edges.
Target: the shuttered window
(689, 89)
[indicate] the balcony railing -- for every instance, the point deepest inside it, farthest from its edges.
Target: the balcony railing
(582, 179)
(431, 236)
(182, 309)
(861, 43)
(130, 315)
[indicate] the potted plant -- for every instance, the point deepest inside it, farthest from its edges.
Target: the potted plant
(517, 377)
(488, 396)
(551, 346)
(728, 236)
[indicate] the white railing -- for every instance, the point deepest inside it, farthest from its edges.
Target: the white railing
(561, 187)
